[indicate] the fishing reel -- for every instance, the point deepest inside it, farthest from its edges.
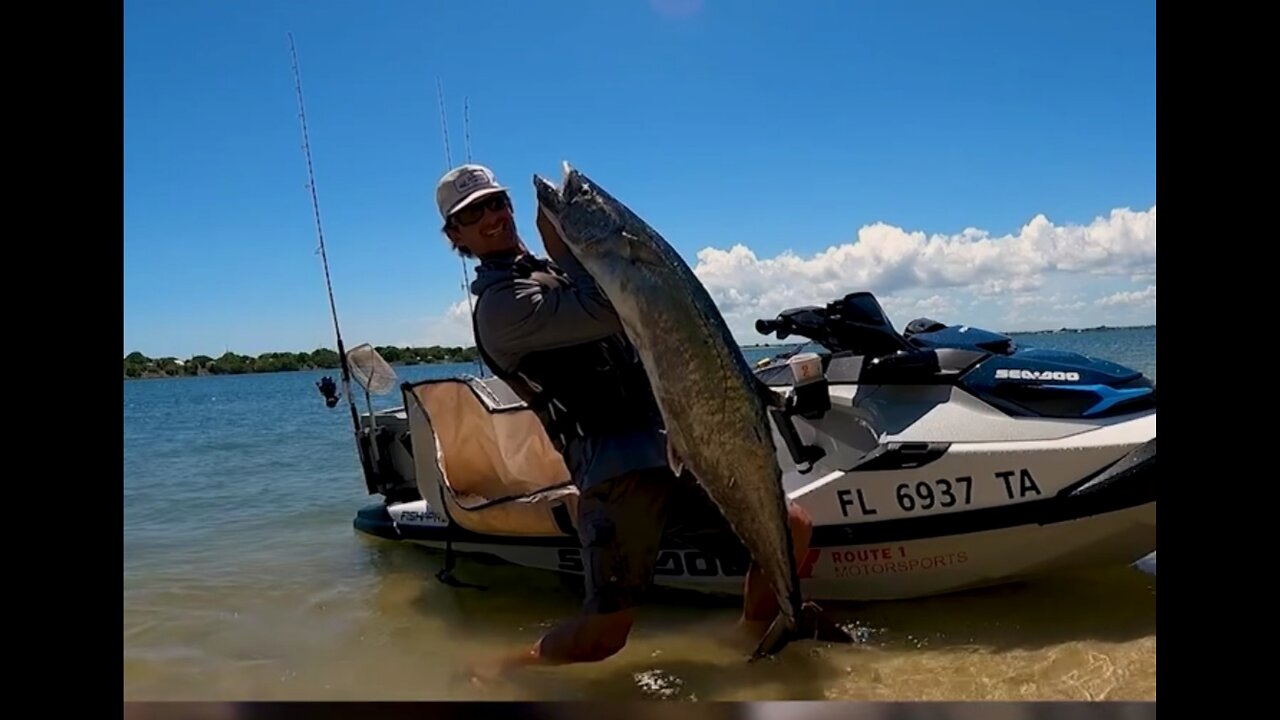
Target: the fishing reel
(329, 391)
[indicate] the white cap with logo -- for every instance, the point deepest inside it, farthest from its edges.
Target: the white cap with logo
(464, 185)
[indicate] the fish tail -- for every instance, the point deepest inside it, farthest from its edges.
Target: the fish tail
(780, 634)
(812, 624)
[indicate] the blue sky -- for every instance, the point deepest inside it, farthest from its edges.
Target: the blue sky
(989, 162)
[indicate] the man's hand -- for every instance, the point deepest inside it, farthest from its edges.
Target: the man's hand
(550, 233)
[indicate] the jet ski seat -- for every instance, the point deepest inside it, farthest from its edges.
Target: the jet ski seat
(488, 459)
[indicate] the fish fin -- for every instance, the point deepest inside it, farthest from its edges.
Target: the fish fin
(813, 624)
(673, 459)
(639, 252)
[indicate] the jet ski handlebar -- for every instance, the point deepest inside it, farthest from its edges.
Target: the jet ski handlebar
(768, 327)
(810, 323)
(854, 323)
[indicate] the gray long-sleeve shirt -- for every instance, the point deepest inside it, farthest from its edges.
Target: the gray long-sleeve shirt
(517, 316)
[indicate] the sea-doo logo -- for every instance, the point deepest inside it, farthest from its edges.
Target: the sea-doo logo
(1023, 374)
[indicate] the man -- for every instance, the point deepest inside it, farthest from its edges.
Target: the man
(548, 330)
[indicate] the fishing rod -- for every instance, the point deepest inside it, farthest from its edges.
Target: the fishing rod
(324, 257)
(448, 165)
(466, 125)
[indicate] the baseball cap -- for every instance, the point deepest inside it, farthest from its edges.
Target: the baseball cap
(464, 185)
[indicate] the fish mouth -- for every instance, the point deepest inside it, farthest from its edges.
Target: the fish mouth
(551, 200)
(572, 182)
(550, 196)
(554, 199)
(574, 196)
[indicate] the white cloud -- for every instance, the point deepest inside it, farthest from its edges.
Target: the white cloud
(915, 274)
(1141, 298)
(450, 328)
(1043, 276)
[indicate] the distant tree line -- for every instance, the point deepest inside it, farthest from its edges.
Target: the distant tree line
(137, 365)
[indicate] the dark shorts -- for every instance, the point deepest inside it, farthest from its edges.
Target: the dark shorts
(623, 520)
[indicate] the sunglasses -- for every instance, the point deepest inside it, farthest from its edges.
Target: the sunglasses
(471, 214)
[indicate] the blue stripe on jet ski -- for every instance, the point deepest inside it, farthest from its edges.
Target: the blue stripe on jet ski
(1108, 396)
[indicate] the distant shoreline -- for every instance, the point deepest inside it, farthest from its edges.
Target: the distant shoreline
(140, 367)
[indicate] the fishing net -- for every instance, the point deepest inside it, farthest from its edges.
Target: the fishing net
(371, 370)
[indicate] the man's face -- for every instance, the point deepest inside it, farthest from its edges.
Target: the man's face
(485, 226)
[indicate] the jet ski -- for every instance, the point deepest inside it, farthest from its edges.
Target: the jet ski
(935, 460)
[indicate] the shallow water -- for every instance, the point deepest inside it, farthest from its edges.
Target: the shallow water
(244, 580)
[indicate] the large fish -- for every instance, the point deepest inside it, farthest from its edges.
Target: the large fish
(712, 404)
